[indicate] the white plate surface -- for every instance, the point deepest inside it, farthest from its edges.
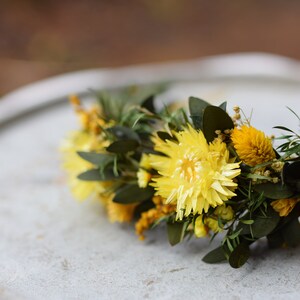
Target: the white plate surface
(52, 247)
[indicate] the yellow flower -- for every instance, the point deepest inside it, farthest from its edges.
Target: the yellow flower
(252, 146)
(74, 164)
(90, 119)
(284, 206)
(224, 212)
(150, 216)
(194, 175)
(120, 212)
(200, 229)
(142, 175)
(213, 224)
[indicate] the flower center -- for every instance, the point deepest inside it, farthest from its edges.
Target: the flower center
(189, 168)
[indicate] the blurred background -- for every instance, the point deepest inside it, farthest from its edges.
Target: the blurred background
(42, 38)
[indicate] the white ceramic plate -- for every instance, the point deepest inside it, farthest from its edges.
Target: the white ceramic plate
(52, 247)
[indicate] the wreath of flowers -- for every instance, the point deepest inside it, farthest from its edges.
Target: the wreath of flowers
(201, 173)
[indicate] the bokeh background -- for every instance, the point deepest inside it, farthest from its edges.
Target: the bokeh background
(40, 38)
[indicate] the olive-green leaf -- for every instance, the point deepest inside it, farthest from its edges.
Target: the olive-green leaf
(97, 175)
(123, 146)
(291, 233)
(275, 240)
(98, 159)
(291, 175)
(274, 190)
(148, 103)
(196, 108)
(165, 136)
(223, 105)
(215, 256)
(132, 193)
(264, 225)
(176, 231)
(124, 133)
(239, 255)
(215, 118)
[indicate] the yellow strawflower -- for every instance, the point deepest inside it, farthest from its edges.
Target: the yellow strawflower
(194, 175)
(252, 146)
(284, 206)
(74, 164)
(142, 175)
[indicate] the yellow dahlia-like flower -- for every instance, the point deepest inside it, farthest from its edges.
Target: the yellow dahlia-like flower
(284, 206)
(194, 175)
(74, 164)
(252, 146)
(142, 175)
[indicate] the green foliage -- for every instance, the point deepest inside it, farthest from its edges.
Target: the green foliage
(239, 255)
(215, 256)
(131, 193)
(97, 175)
(274, 190)
(215, 118)
(176, 231)
(131, 119)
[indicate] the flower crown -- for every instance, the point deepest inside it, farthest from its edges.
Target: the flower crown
(201, 173)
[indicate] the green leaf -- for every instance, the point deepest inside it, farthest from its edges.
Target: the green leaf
(123, 146)
(149, 104)
(223, 105)
(275, 240)
(176, 231)
(264, 225)
(165, 136)
(291, 175)
(124, 133)
(215, 118)
(291, 233)
(283, 128)
(274, 190)
(98, 159)
(132, 193)
(239, 255)
(215, 256)
(196, 108)
(97, 175)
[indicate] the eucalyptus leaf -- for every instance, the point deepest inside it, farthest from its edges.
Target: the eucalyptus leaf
(215, 118)
(239, 255)
(196, 108)
(223, 105)
(148, 103)
(215, 256)
(98, 159)
(165, 136)
(291, 233)
(132, 193)
(274, 190)
(123, 146)
(264, 225)
(97, 175)
(291, 175)
(275, 240)
(176, 232)
(124, 133)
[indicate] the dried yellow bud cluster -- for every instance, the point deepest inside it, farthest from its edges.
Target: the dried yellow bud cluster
(149, 217)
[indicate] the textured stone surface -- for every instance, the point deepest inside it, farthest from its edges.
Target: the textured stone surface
(52, 247)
